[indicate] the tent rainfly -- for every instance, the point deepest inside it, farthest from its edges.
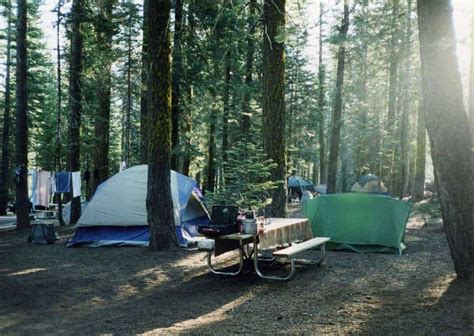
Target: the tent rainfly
(117, 214)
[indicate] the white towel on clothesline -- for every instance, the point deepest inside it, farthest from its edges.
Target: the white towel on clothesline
(76, 184)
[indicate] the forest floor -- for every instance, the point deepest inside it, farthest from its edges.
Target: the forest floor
(56, 290)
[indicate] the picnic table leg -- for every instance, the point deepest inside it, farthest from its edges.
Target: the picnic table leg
(215, 271)
(270, 277)
(313, 262)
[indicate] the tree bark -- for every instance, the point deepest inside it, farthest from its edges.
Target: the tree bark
(58, 165)
(105, 33)
(226, 112)
(75, 100)
(143, 94)
(4, 180)
(448, 129)
(128, 110)
(273, 96)
(159, 203)
(337, 112)
(177, 74)
(245, 122)
(471, 77)
(21, 131)
(321, 103)
(420, 152)
(405, 126)
(392, 97)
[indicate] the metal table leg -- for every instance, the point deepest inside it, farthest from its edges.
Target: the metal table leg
(215, 271)
(271, 277)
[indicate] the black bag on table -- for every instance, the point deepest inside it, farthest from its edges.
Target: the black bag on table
(43, 234)
(223, 221)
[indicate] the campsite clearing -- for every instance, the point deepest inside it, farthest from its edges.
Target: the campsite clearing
(57, 290)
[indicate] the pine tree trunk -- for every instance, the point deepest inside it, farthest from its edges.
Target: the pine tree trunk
(58, 165)
(405, 126)
(420, 152)
(337, 112)
(187, 128)
(21, 131)
(471, 77)
(226, 113)
(159, 203)
(4, 180)
(448, 129)
(211, 164)
(128, 109)
(321, 103)
(188, 118)
(105, 34)
(75, 100)
(143, 94)
(245, 123)
(273, 97)
(177, 74)
(392, 98)
(211, 170)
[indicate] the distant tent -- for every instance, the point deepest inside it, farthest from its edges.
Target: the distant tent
(298, 185)
(359, 222)
(369, 184)
(117, 215)
(321, 189)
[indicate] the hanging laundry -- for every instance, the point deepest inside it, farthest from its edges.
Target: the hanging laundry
(32, 185)
(123, 166)
(53, 183)
(76, 184)
(63, 182)
(43, 188)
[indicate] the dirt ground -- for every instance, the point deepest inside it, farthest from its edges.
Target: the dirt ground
(57, 290)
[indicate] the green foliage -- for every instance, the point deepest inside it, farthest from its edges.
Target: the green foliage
(427, 209)
(247, 178)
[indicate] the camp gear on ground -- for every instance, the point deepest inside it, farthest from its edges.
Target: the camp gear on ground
(359, 222)
(42, 234)
(117, 214)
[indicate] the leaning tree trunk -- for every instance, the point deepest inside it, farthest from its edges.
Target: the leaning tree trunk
(337, 112)
(273, 97)
(75, 101)
(448, 129)
(158, 127)
(4, 181)
(21, 131)
(105, 34)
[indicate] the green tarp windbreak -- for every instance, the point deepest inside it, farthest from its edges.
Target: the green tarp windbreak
(362, 223)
